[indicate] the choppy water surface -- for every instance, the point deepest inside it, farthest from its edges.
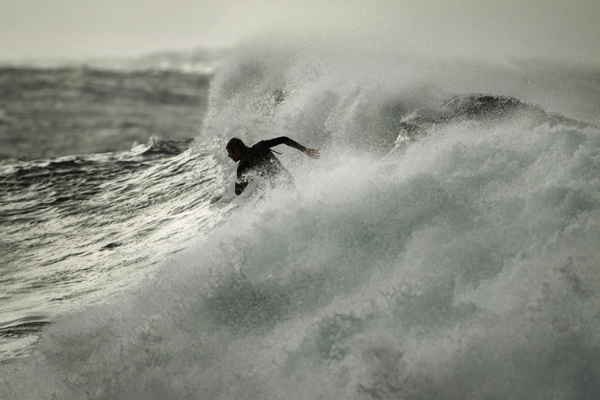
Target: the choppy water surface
(444, 247)
(77, 228)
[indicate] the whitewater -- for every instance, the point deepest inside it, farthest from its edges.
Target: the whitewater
(445, 246)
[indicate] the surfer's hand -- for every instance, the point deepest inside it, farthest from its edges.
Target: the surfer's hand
(312, 153)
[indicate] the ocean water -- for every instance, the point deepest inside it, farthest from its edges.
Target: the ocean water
(57, 111)
(445, 246)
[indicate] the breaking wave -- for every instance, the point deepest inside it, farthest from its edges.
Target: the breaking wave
(444, 247)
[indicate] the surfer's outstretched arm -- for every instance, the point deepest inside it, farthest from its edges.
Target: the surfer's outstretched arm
(292, 143)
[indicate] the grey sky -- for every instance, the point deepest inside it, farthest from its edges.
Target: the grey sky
(564, 29)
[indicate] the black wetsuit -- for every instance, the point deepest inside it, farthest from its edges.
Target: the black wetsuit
(259, 159)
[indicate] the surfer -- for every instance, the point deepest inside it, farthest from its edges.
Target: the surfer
(259, 159)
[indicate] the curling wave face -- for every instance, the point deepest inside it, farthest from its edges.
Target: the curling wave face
(443, 247)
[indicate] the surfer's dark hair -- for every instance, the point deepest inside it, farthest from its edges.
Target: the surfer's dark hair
(235, 144)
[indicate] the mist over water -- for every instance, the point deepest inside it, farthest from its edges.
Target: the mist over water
(444, 246)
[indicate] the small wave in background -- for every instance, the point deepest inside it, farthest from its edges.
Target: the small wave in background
(59, 111)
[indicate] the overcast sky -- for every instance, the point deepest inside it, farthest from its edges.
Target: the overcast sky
(562, 29)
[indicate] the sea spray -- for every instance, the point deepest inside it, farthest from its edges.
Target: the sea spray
(467, 263)
(460, 264)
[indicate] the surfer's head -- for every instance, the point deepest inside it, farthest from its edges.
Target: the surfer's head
(236, 149)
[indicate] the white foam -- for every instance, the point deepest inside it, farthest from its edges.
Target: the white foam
(463, 266)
